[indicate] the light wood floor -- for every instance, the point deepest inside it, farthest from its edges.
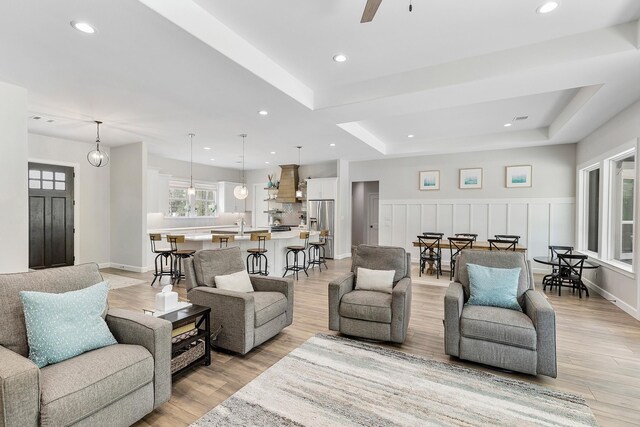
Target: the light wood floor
(598, 348)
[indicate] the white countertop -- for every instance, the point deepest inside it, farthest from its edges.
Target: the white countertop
(206, 237)
(227, 228)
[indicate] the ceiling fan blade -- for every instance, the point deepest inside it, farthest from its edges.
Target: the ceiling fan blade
(370, 10)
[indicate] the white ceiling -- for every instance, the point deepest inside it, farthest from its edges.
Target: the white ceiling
(452, 72)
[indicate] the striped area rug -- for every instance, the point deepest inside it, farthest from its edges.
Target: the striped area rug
(335, 381)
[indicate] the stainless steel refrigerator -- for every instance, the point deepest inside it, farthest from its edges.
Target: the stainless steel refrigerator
(321, 217)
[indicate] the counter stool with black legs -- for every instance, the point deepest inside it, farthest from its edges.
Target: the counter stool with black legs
(223, 239)
(296, 250)
(164, 258)
(316, 251)
(178, 255)
(257, 255)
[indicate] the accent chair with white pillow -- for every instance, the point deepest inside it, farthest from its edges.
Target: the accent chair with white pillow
(478, 326)
(373, 301)
(249, 310)
(116, 383)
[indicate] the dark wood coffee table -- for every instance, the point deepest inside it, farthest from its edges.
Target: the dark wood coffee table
(187, 352)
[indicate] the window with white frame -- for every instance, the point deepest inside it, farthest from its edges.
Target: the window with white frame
(621, 207)
(203, 204)
(591, 209)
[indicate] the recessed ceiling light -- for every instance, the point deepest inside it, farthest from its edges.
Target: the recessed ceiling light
(410, 135)
(273, 152)
(83, 26)
(263, 112)
(340, 57)
(207, 148)
(332, 145)
(547, 7)
(507, 125)
(213, 160)
(267, 162)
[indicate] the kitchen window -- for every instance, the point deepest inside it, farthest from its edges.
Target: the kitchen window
(203, 204)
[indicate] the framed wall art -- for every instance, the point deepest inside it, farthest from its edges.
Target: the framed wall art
(518, 176)
(470, 178)
(430, 180)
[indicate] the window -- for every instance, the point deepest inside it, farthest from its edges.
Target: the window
(592, 209)
(203, 204)
(622, 188)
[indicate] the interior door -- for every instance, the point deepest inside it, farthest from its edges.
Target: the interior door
(50, 216)
(372, 218)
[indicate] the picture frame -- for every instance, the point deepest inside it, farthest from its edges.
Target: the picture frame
(429, 180)
(470, 178)
(518, 176)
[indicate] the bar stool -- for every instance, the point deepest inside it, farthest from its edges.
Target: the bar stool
(178, 255)
(317, 252)
(256, 255)
(296, 250)
(223, 239)
(161, 253)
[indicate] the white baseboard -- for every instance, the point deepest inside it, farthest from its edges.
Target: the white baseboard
(342, 256)
(104, 265)
(132, 268)
(613, 299)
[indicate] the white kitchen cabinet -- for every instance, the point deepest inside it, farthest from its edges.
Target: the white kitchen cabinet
(322, 189)
(227, 202)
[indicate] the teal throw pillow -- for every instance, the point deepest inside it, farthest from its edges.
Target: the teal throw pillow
(494, 287)
(62, 326)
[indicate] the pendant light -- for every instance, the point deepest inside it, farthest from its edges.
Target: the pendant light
(299, 192)
(191, 191)
(98, 157)
(240, 191)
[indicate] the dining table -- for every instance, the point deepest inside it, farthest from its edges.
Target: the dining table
(547, 260)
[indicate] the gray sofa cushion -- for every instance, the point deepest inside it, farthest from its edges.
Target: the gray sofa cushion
(268, 306)
(495, 259)
(367, 305)
(13, 333)
(381, 258)
(499, 325)
(216, 262)
(78, 387)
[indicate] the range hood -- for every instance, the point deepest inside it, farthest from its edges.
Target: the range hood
(288, 184)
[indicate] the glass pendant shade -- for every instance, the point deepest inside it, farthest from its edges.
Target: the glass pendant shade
(299, 194)
(241, 192)
(191, 191)
(98, 158)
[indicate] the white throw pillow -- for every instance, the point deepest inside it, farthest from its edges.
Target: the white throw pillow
(375, 280)
(238, 282)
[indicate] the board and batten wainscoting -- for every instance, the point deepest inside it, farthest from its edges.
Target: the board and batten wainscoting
(539, 221)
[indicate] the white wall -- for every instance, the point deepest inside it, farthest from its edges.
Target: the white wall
(92, 195)
(619, 133)
(541, 215)
(129, 239)
(14, 208)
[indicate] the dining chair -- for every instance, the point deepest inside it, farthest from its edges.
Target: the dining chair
(457, 244)
(430, 253)
(467, 236)
(569, 273)
(507, 237)
(554, 251)
(502, 244)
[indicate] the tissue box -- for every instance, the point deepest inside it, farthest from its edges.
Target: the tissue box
(166, 301)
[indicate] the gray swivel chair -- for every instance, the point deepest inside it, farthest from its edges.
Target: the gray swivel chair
(370, 314)
(241, 320)
(508, 339)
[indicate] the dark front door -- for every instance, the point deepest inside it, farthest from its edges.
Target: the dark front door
(50, 216)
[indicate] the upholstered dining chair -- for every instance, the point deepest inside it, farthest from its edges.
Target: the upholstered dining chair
(372, 314)
(522, 341)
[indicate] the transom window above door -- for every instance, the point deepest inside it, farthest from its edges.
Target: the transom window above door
(47, 180)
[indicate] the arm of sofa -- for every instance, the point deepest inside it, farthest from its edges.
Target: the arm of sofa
(453, 304)
(543, 317)
(19, 390)
(153, 334)
(189, 274)
(276, 284)
(337, 289)
(400, 310)
(232, 315)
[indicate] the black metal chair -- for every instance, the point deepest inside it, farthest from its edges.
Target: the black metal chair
(502, 244)
(457, 244)
(430, 253)
(507, 237)
(162, 255)
(257, 255)
(222, 239)
(178, 255)
(296, 250)
(569, 273)
(317, 251)
(467, 236)
(554, 251)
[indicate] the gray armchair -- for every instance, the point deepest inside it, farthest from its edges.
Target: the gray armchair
(369, 314)
(508, 339)
(115, 385)
(241, 320)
